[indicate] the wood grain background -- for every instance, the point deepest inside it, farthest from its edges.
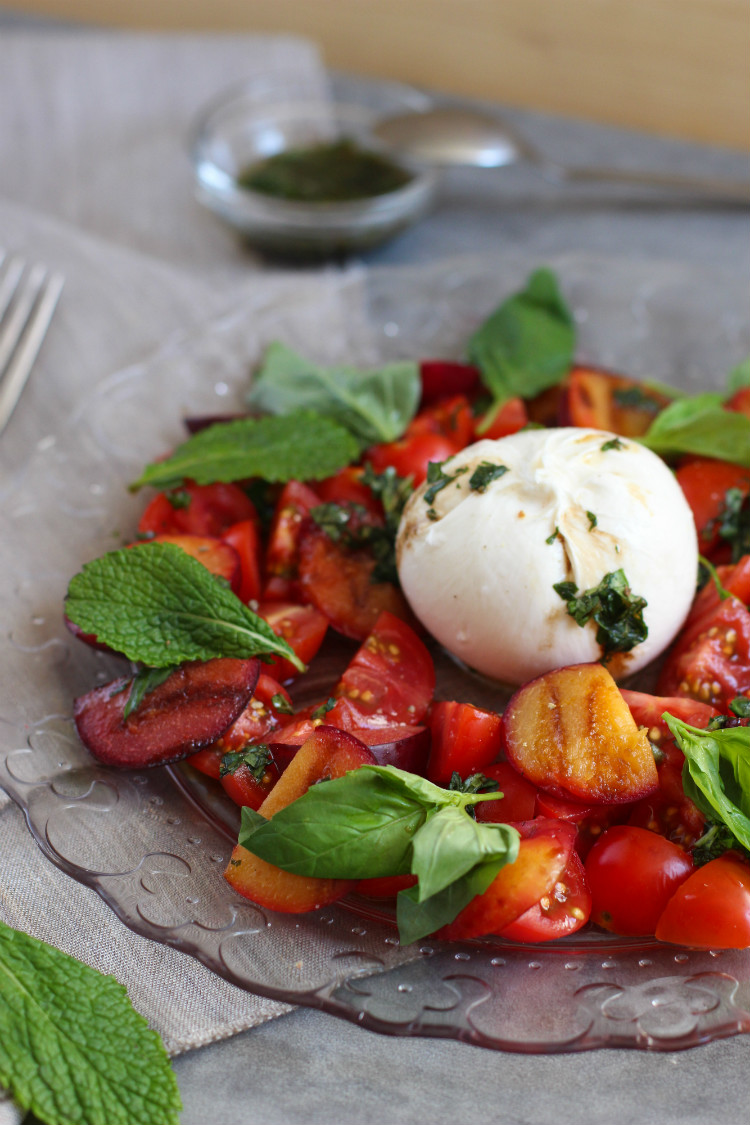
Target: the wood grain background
(672, 67)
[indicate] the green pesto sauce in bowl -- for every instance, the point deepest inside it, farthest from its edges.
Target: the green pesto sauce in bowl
(337, 172)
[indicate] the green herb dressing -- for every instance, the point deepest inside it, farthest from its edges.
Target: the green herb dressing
(339, 172)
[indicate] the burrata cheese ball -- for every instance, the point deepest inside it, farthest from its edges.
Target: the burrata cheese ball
(479, 558)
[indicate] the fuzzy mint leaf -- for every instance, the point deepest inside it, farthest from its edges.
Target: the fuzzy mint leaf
(302, 445)
(159, 606)
(375, 406)
(72, 1049)
(527, 344)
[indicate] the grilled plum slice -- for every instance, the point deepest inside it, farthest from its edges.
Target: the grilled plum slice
(193, 708)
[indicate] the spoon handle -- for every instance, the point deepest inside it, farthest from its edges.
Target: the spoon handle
(706, 190)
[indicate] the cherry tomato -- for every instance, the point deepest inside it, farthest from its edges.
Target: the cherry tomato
(563, 911)
(711, 909)
(338, 582)
(509, 419)
(589, 820)
(442, 378)
(245, 788)
(465, 739)
(410, 456)
(705, 484)
(196, 509)
(245, 539)
(632, 874)
(303, 628)
(605, 401)
(518, 802)
(451, 417)
(208, 761)
(346, 487)
(710, 660)
(544, 852)
(390, 679)
(740, 401)
(282, 552)
(668, 812)
(268, 711)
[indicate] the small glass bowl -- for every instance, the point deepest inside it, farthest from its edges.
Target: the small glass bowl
(259, 118)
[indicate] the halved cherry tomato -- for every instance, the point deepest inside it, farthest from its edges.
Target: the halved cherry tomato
(605, 401)
(633, 874)
(509, 419)
(442, 378)
(465, 739)
(411, 455)
(705, 484)
(208, 761)
(710, 661)
(390, 679)
(245, 539)
(196, 509)
(711, 909)
(518, 802)
(247, 790)
(303, 628)
(338, 582)
(668, 812)
(282, 553)
(544, 853)
(451, 417)
(563, 911)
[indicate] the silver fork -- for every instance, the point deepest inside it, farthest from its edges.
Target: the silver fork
(28, 296)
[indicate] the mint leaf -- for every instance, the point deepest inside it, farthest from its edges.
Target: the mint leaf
(417, 919)
(450, 843)
(159, 606)
(375, 406)
(700, 425)
(716, 774)
(300, 446)
(528, 343)
(72, 1049)
(617, 611)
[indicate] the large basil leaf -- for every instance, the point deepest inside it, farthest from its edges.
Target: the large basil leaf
(451, 843)
(716, 774)
(418, 919)
(700, 425)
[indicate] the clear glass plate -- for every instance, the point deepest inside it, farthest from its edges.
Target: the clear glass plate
(154, 843)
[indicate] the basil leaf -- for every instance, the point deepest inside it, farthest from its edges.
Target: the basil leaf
(375, 406)
(716, 774)
(358, 826)
(528, 343)
(739, 377)
(159, 606)
(617, 611)
(417, 919)
(451, 843)
(301, 446)
(700, 425)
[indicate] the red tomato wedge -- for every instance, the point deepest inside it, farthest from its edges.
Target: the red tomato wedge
(303, 628)
(244, 537)
(412, 453)
(705, 484)
(563, 911)
(589, 820)
(339, 583)
(740, 401)
(710, 660)
(509, 419)
(544, 853)
(328, 753)
(632, 874)
(245, 789)
(390, 679)
(452, 417)
(196, 509)
(346, 487)
(194, 706)
(711, 909)
(519, 799)
(465, 739)
(282, 552)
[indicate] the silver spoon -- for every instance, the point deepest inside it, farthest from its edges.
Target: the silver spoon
(452, 135)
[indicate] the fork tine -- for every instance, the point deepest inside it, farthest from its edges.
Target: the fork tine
(18, 370)
(10, 281)
(13, 326)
